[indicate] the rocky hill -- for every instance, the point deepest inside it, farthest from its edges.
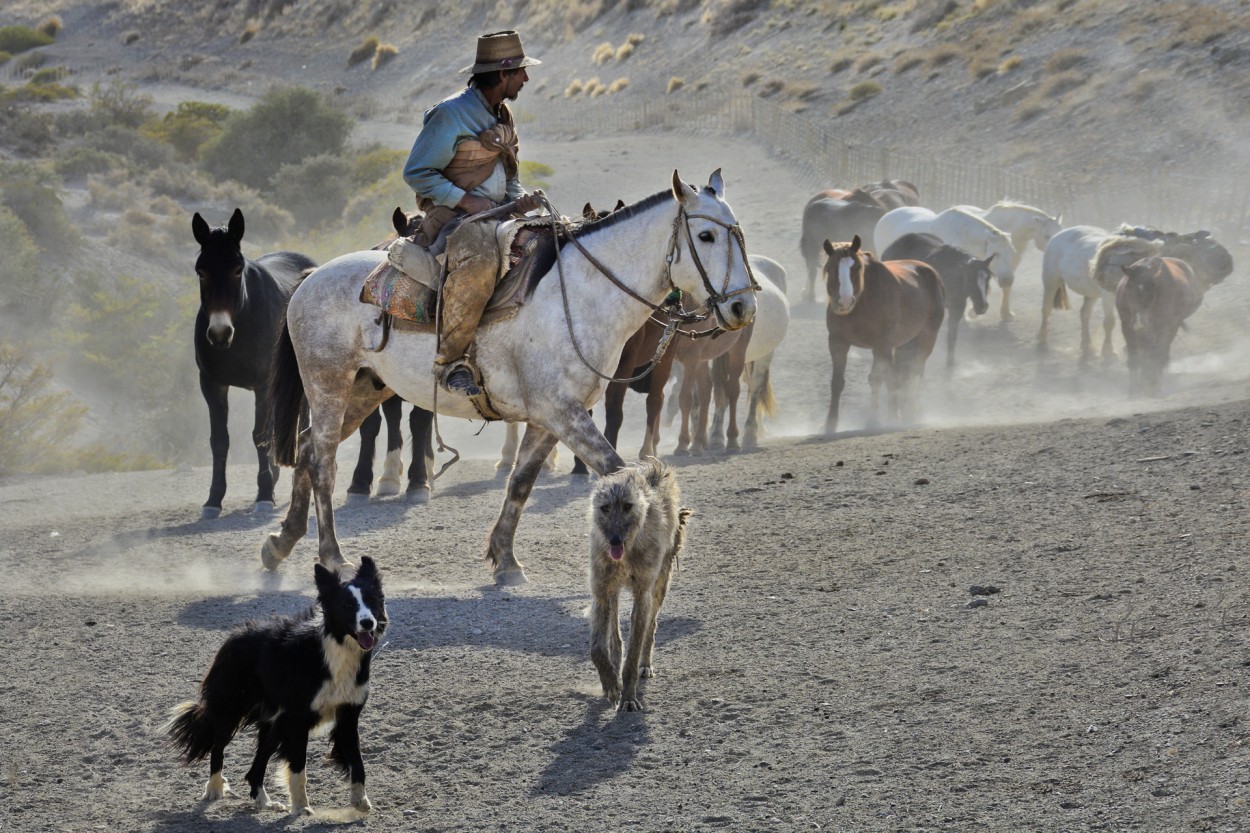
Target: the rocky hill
(1076, 88)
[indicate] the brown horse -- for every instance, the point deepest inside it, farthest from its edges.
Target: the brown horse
(895, 309)
(1154, 298)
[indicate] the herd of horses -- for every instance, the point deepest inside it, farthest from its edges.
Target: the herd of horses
(295, 333)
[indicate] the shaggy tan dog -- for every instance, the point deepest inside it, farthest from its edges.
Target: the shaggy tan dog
(637, 528)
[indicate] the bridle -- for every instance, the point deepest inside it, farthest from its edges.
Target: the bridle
(671, 308)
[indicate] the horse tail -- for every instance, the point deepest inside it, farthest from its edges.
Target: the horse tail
(767, 402)
(1060, 299)
(286, 400)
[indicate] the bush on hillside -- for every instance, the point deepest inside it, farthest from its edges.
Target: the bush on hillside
(285, 127)
(19, 263)
(15, 39)
(314, 190)
(189, 127)
(31, 194)
(376, 163)
(363, 52)
(77, 162)
(35, 422)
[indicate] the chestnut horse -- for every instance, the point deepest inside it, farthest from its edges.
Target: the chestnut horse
(1154, 298)
(894, 309)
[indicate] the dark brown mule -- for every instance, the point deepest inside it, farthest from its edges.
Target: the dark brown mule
(894, 309)
(1153, 298)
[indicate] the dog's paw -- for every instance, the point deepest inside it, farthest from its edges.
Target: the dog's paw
(359, 800)
(646, 671)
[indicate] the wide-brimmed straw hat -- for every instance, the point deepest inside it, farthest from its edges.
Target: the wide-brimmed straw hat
(500, 50)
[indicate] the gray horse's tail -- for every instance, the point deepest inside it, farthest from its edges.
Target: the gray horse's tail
(286, 400)
(1060, 299)
(767, 401)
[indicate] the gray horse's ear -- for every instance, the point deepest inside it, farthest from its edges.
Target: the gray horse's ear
(855, 244)
(200, 229)
(828, 246)
(681, 191)
(988, 259)
(717, 183)
(235, 228)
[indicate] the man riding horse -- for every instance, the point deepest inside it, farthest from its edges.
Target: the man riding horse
(464, 162)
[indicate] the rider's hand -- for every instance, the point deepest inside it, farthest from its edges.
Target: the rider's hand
(529, 202)
(474, 204)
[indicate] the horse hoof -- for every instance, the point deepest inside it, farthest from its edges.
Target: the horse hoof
(418, 495)
(510, 577)
(210, 513)
(264, 507)
(681, 452)
(270, 554)
(356, 499)
(387, 488)
(504, 465)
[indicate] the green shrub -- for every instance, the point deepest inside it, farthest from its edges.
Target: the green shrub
(25, 190)
(864, 90)
(531, 174)
(48, 75)
(5, 57)
(314, 190)
(35, 422)
(375, 163)
(142, 151)
(119, 103)
(76, 162)
(19, 264)
(15, 39)
(285, 127)
(189, 127)
(41, 92)
(24, 130)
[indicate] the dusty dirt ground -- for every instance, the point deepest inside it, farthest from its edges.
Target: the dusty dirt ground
(824, 661)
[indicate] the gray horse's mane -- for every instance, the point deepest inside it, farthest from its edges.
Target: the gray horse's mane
(1119, 250)
(624, 214)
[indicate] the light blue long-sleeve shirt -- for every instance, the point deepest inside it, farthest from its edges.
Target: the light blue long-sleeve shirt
(457, 117)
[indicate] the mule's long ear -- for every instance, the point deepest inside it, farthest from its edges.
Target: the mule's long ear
(400, 221)
(682, 192)
(855, 244)
(717, 184)
(828, 246)
(200, 229)
(235, 228)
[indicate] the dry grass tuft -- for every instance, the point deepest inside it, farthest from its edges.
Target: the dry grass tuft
(841, 61)
(595, 87)
(384, 54)
(867, 61)
(1061, 83)
(864, 90)
(363, 52)
(130, 37)
(574, 88)
(251, 30)
(733, 15)
(674, 84)
(618, 85)
(1029, 110)
(906, 61)
(1144, 85)
(942, 54)
(750, 78)
(770, 88)
(1066, 59)
(51, 26)
(635, 38)
(624, 51)
(1010, 64)
(603, 53)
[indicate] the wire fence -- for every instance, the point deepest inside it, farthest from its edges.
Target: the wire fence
(1158, 197)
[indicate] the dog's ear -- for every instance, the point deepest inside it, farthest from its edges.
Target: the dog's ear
(368, 570)
(327, 580)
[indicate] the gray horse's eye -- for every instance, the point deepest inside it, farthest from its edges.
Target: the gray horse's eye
(706, 236)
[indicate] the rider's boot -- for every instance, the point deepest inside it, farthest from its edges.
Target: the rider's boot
(472, 268)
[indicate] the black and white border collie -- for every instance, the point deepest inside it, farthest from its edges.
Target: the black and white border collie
(287, 676)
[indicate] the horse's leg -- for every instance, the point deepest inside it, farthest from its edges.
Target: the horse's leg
(655, 406)
(703, 400)
(420, 481)
(579, 465)
(733, 388)
(837, 352)
(809, 293)
(536, 444)
(267, 469)
(362, 476)
(215, 396)
(278, 545)
(757, 378)
(1087, 342)
(1108, 326)
(507, 454)
(883, 371)
(393, 468)
(1004, 311)
(953, 315)
(1048, 302)
(685, 401)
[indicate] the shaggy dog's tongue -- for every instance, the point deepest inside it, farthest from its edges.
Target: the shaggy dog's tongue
(366, 640)
(617, 551)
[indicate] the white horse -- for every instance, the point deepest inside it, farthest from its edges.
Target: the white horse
(1026, 225)
(955, 227)
(542, 366)
(772, 319)
(1066, 262)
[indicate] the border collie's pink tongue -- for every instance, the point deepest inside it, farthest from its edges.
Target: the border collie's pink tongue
(617, 551)
(366, 640)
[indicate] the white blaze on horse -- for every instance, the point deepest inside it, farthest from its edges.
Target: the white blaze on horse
(1026, 225)
(958, 228)
(543, 366)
